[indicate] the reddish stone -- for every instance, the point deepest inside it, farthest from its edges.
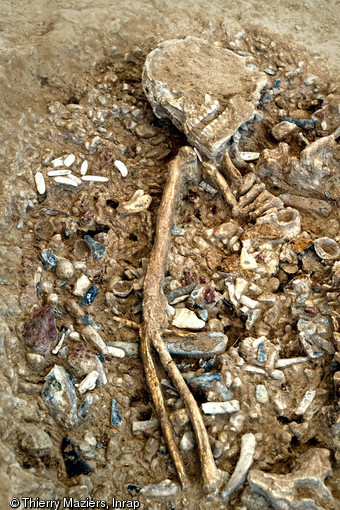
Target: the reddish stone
(40, 332)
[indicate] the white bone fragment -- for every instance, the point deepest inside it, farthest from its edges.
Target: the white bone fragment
(75, 179)
(84, 167)
(57, 173)
(240, 285)
(40, 183)
(250, 303)
(57, 162)
(66, 180)
(305, 402)
(95, 178)
(247, 261)
(69, 160)
(75, 336)
(115, 351)
(121, 167)
(60, 343)
(249, 156)
(232, 406)
(254, 370)
(283, 363)
(89, 383)
(94, 338)
(248, 444)
(81, 285)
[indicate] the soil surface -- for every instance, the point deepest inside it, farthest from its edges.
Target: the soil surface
(71, 84)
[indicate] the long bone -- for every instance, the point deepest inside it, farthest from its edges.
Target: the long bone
(155, 322)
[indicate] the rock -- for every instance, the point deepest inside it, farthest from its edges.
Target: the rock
(89, 383)
(204, 381)
(82, 361)
(65, 269)
(85, 407)
(98, 250)
(179, 292)
(187, 319)
(304, 487)
(179, 419)
(142, 426)
(115, 416)
(91, 336)
(187, 442)
(36, 361)
(40, 332)
(81, 285)
(145, 131)
(166, 489)
(35, 442)
(320, 207)
(208, 106)
(284, 130)
(261, 394)
(60, 396)
(90, 295)
(49, 260)
(232, 406)
(202, 345)
(130, 348)
(75, 464)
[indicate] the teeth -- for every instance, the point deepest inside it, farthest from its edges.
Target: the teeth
(69, 160)
(84, 167)
(40, 183)
(66, 180)
(121, 167)
(96, 178)
(57, 162)
(56, 173)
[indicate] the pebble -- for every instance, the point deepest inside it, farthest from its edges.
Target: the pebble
(177, 231)
(90, 295)
(85, 407)
(283, 129)
(224, 392)
(115, 416)
(121, 167)
(75, 463)
(130, 348)
(81, 285)
(89, 383)
(187, 319)
(167, 489)
(180, 291)
(300, 122)
(249, 156)
(187, 442)
(203, 314)
(49, 260)
(94, 178)
(84, 167)
(40, 332)
(145, 131)
(232, 406)
(201, 345)
(261, 394)
(204, 380)
(35, 441)
(69, 160)
(142, 426)
(40, 183)
(115, 351)
(36, 361)
(305, 402)
(270, 71)
(98, 250)
(65, 269)
(91, 336)
(60, 396)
